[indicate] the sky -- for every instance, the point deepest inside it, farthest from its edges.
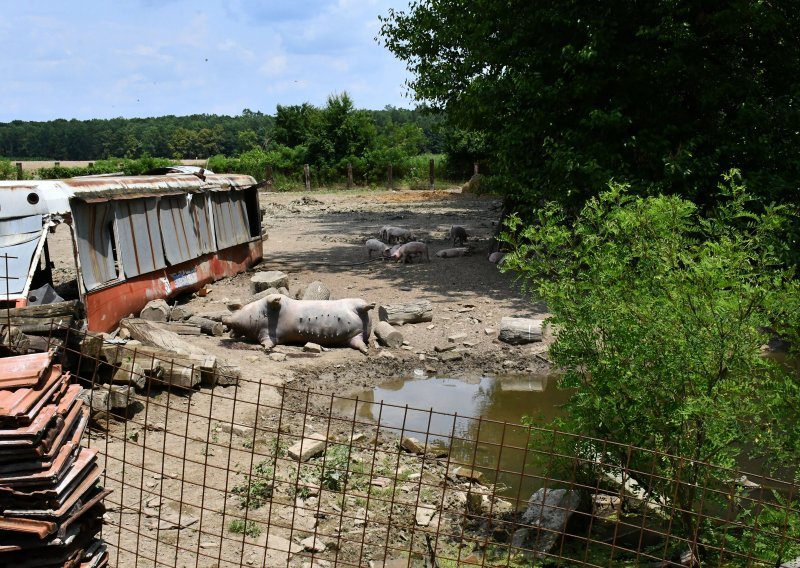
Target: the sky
(88, 59)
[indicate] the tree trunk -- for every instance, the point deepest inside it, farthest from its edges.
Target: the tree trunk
(414, 312)
(181, 328)
(207, 326)
(155, 310)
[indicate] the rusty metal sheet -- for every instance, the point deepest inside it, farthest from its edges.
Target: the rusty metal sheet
(95, 240)
(199, 209)
(231, 227)
(181, 242)
(140, 243)
(24, 370)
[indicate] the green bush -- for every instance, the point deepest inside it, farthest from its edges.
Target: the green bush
(659, 314)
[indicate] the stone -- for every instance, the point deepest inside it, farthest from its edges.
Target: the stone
(130, 373)
(424, 515)
(548, 513)
(237, 429)
(277, 357)
(431, 326)
(451, 356)
(316, 291)
(456, 337)
(269, 279)
(443, 348)
(109, 397)
(469, 344)
(606, 505)
(412, 445)
(308, 447)
(312, 348)
(173, 520)
(467, 473)
(313, 544)
(791, 563)
(386, 355)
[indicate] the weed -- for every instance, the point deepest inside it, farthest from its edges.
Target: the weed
(257, 488)
(336, 467)
(248, 528)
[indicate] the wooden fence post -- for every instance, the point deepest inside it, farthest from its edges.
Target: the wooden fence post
(19, 170)
(268, 176)
(349, 175)
(431, 173)
(307, 173)
(475, 168)
(389, 179)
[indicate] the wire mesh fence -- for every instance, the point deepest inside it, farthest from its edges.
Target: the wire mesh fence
(240, 473)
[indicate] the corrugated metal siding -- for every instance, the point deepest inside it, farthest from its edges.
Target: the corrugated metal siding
(178, 228)
(19, 240)
(92, 223)
(199, 208)
(230, 218)
(141, 250)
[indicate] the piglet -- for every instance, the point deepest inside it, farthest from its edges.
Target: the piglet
(414, 248)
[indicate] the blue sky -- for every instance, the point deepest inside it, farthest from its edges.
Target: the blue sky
(138, 58)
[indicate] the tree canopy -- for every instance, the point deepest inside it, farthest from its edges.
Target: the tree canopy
(569, 94)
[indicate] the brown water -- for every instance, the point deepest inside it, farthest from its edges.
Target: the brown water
(477, 421)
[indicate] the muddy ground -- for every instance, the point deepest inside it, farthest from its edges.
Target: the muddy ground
(186, 453)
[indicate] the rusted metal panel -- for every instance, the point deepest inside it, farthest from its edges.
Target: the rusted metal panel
(107, 306)
(178, 225)
(24, 370)
(139, 236)
(230, 218)
(95, 244)
(199, 209)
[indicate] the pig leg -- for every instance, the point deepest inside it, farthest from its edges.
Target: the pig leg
(265, 340)
(358, 343)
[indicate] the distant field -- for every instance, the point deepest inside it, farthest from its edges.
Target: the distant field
(31, 165)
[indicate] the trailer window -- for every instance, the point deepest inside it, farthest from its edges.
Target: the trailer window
(230, 218)
(140, 245)
(94, 233)
(19, 240)
(178, 227)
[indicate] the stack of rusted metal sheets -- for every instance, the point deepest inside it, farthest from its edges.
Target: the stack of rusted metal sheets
(51, 503)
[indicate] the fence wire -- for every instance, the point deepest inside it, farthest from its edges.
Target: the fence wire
(252, 474)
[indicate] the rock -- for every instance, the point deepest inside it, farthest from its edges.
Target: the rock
(313, 544)
(548, 513)
(130, 373)
(457, 337)
(451, 356)
(172, 520)
(277, 357)
(312, 348)
(155, 310)
(467, 473)
(412, 445)
(424, 515)
(443, 348)
(791, 563)
(469, 344)
(606, 505)
(269, 279)
(308, 448)
(386, 355)
(238, 429)
(316, 291)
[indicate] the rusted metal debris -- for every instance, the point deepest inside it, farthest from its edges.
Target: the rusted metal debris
(51, 503)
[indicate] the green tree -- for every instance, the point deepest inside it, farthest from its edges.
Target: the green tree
(569, 94)
(659, 316)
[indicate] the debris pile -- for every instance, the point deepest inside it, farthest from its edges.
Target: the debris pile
(51, 506)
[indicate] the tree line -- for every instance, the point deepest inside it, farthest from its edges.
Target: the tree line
(327, 138)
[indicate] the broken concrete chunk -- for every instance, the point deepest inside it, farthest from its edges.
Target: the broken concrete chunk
(130, 373)
(313, 544)
(312, 347)
(109, 397)
(277, 357)
(270, 279)
(457, 337)
(443, 348)
(412, 445)
(467, 473)
(451, 356)
(308, 447)
(424, 515)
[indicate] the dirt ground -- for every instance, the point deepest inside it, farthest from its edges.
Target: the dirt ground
(186, 453)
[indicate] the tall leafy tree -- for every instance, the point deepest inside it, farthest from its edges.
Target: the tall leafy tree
(667, 94)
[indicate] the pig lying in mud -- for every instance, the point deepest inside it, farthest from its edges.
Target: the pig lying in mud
(453, 252)
(374, 245)
(278, 320)
(406, 251)
(458, 234)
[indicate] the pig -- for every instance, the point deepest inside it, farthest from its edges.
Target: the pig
(497, 257)
(453, 252)
(414, 248)
(458, 234)
(278, 320)
(374, 245)
(397, 235)
(384, 234)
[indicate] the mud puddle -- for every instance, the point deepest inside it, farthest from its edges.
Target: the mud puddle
(476, 421)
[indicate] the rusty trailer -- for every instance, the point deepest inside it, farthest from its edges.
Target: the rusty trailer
(135, 238)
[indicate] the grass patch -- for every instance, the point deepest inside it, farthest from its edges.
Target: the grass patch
(247, 528)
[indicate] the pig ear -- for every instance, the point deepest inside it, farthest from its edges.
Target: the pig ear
(368, 307)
